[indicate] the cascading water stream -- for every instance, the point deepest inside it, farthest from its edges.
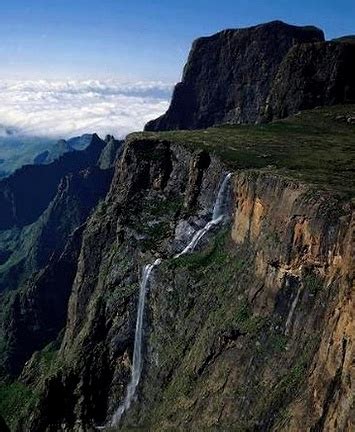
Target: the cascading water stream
(218, 215)
(137, 351)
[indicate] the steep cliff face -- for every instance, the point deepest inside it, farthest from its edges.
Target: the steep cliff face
(272, 352)
(228, 76)
(36, 313)
(260, 74)
(313, 75)
(29, 249)
(134, 224)
(253, 331)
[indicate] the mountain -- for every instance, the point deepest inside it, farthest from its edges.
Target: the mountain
(313, 75)
(242, 76)
(17, 150)
(34, 257)
(191, 279)
(26, 193)
(61, 147)
(256, 316)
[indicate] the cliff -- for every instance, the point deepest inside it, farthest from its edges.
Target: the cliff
(193, 280)
(260, 73)
(313, 75)
(251, 331)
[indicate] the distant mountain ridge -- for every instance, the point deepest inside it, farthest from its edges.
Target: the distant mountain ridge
(26, 193)
(61, 147)
(241, 76)
(17, 150)
(39, 244)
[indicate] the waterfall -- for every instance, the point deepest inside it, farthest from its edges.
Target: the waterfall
(292, 310)
(218, 214)
(137, 351)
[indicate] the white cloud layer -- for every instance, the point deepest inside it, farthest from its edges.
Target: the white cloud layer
(69, 108)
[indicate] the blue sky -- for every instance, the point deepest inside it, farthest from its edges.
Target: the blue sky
(136, 39)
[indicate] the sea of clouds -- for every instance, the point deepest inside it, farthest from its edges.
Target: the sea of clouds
(69, 108)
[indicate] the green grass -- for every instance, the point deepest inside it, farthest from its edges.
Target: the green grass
(316, 146)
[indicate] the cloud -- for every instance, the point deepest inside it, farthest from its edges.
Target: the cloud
(68, 108)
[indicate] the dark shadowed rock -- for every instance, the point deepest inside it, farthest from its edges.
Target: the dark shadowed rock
(228, 75)
(346, 39)
(3, 426)
(313, 75)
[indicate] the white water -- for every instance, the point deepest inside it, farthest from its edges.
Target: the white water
(292, 310)
(218, 215)
(137, 352)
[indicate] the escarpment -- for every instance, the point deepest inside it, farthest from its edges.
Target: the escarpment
(253, 330)
(259, 74)
(273, 285)
(313, 75)
(248, 318)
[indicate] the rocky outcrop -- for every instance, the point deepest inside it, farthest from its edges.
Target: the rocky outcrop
(228, 76)
(111, 152)
(313, 75)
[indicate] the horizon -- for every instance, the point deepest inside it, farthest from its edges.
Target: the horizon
(99, 66)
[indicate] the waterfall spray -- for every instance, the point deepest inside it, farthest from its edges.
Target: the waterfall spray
(218, 214)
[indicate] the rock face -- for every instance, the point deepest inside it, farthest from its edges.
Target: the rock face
(313, 75)
(235, 333)
(228, 76)
(3, 426)
(260, 74)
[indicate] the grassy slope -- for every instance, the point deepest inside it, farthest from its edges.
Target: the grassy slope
(315, 146)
